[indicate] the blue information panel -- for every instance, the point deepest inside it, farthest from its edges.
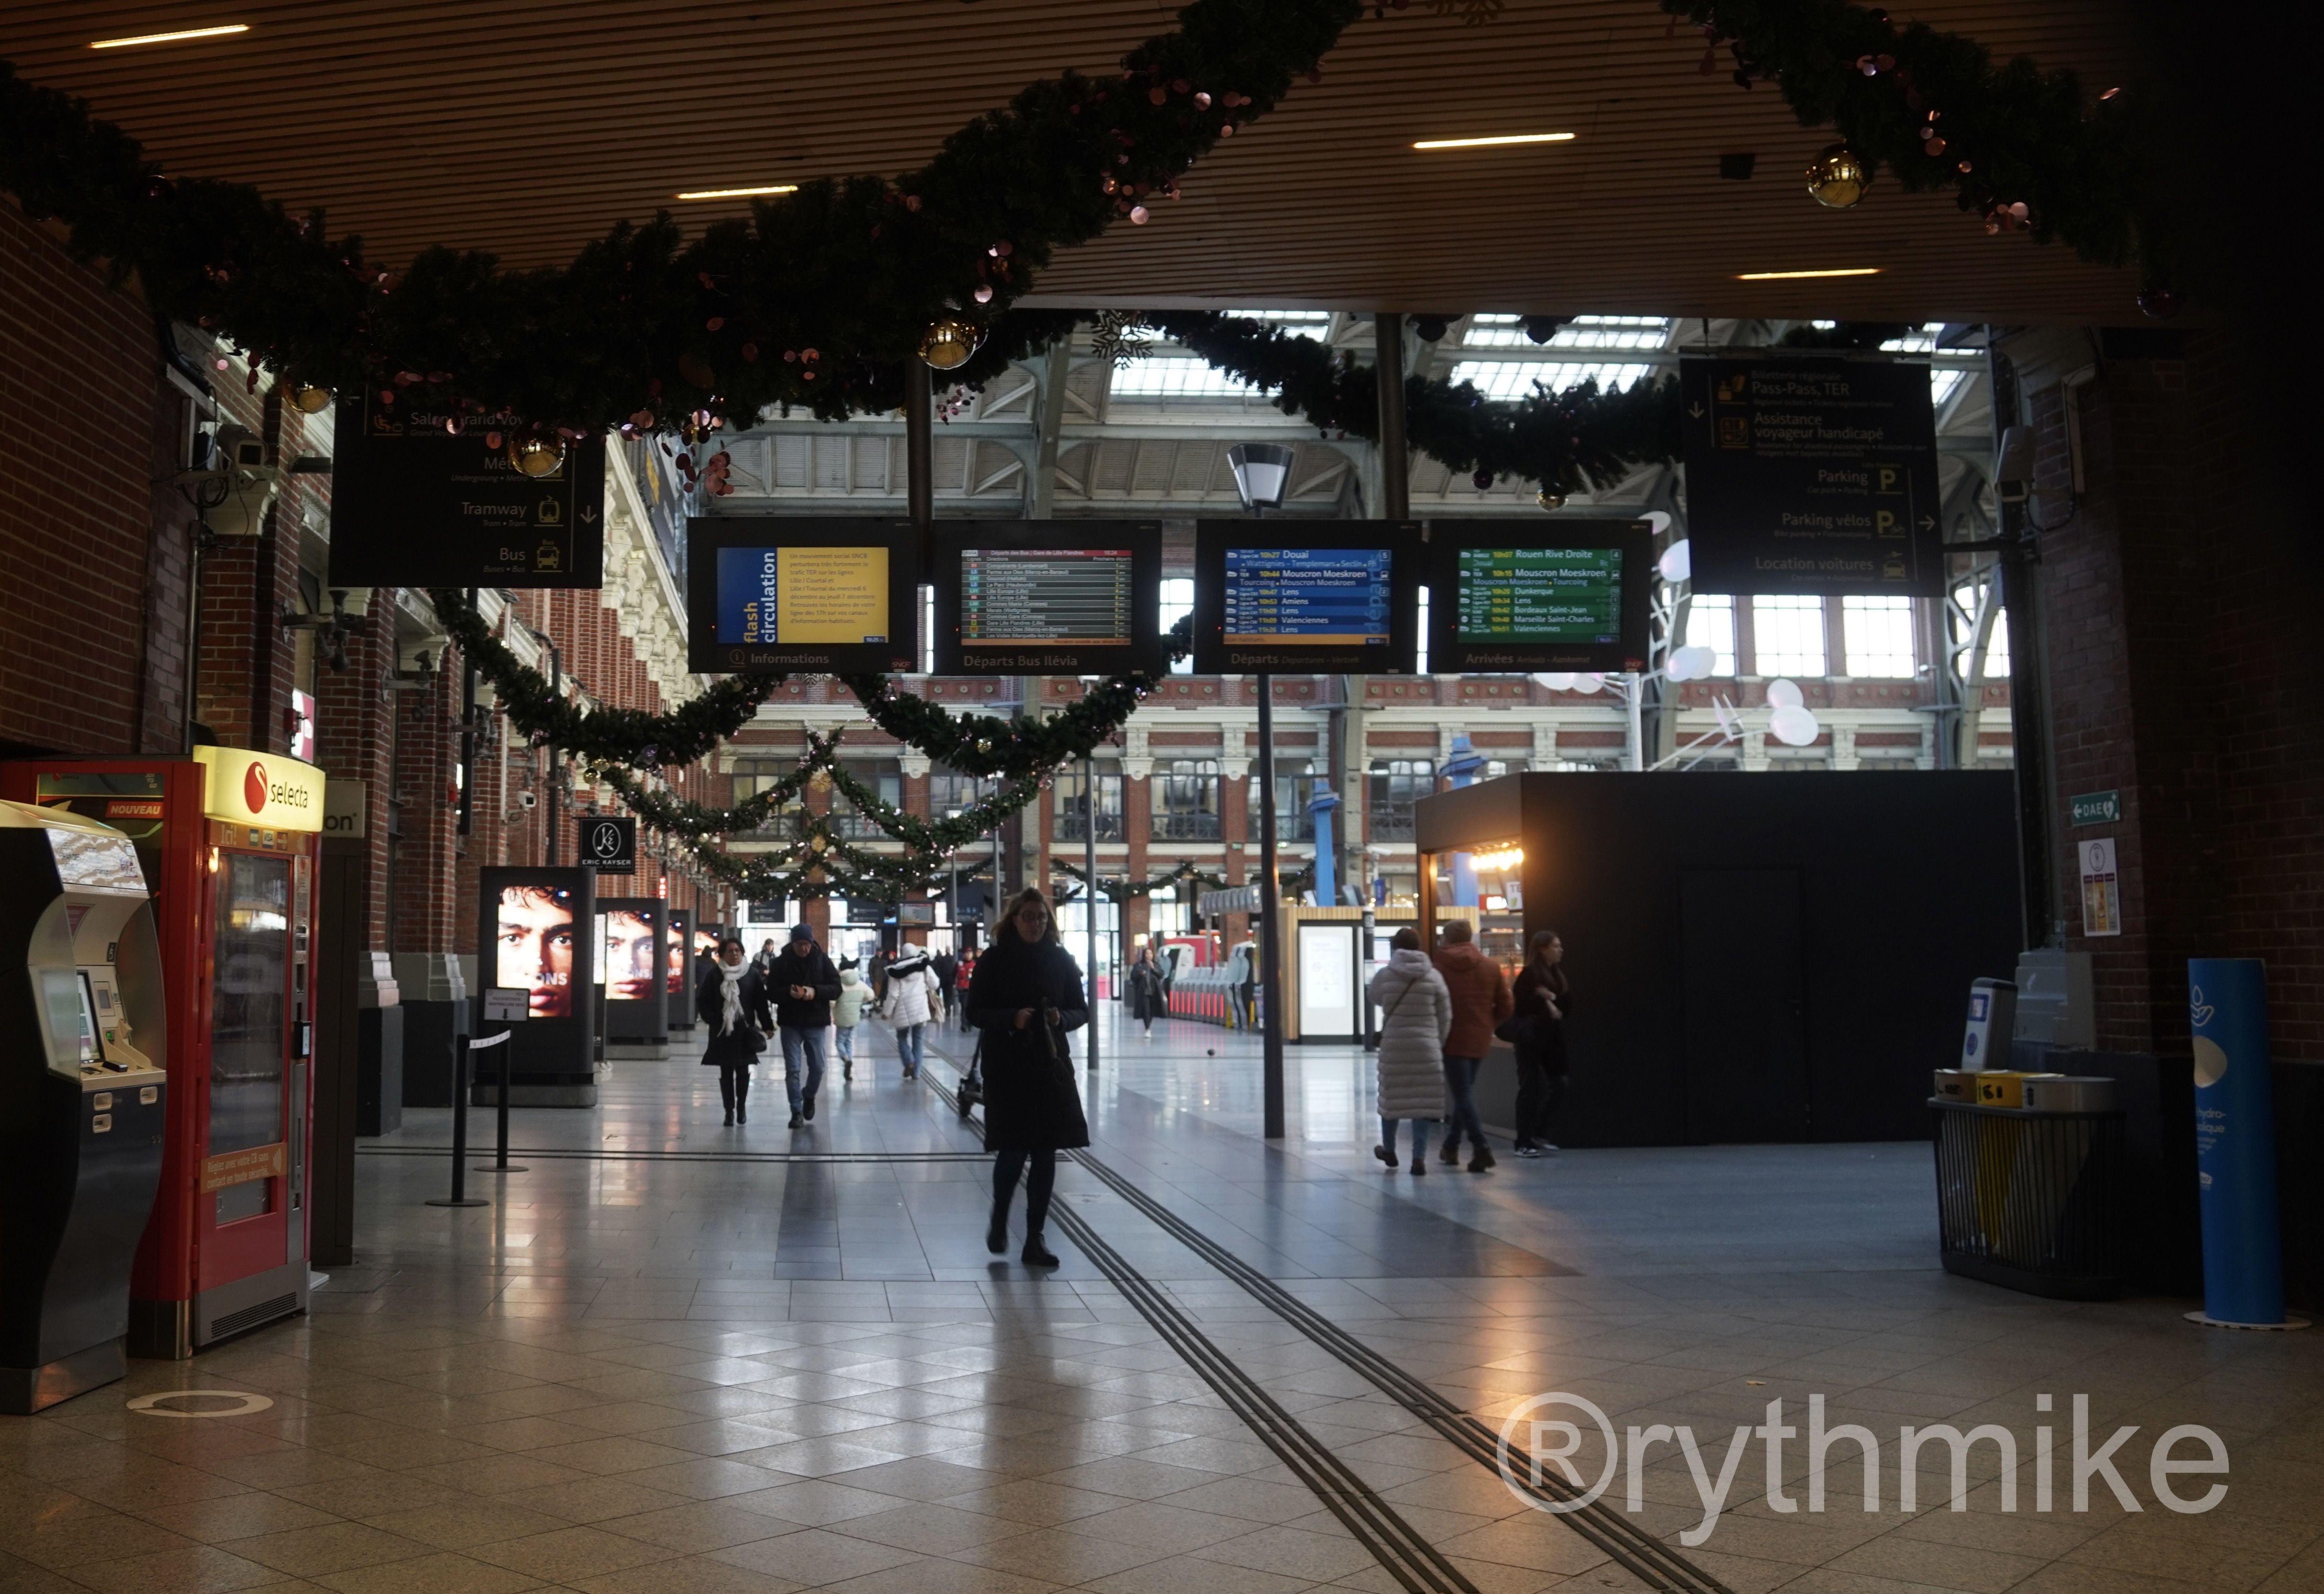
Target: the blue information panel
(1335, 596)
(767, 592)
(1276, 595)
(747, 582)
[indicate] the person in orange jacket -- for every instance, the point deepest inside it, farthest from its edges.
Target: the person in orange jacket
(1480, 1000)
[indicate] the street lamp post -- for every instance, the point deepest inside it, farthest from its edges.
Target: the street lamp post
(1261, 473)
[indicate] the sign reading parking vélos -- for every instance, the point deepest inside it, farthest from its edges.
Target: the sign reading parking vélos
(608, 845)
(1812, 475)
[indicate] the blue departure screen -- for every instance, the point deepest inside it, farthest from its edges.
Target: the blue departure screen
(1315, 595)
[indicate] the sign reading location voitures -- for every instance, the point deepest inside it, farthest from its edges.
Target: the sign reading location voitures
(1812, 475)
(415, 506)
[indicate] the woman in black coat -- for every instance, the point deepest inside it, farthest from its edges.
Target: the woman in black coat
(1023, 999)
(1149, 996)
(732, 1000)
(1542, 1001)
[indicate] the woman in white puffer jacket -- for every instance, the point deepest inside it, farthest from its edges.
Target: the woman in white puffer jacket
(1416, 1014)
(912, 998)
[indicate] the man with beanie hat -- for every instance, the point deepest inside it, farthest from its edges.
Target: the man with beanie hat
(804, 985)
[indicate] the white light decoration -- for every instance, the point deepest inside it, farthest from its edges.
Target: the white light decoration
(1677, 562)
(1692, 663)
(1588, 683)
(1784, 694)
(1659, 520)
(1794, 725)
(1557, 680)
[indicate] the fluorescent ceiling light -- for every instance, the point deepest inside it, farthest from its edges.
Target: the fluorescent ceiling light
(778, 187)
(1788, 276)
(1506, 138)
(171, 38)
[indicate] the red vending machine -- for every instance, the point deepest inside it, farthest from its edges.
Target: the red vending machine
(228, 842)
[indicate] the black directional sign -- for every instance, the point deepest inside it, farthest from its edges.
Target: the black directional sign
(608, 845)
(1812, 475)
(413, 504)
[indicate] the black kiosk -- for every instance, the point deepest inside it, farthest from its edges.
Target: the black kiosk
(679, 933)
(83, 1049)
(535, 921)
(634, 969)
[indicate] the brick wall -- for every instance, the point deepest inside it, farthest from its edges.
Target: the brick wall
(2181, 593)
(81, 415)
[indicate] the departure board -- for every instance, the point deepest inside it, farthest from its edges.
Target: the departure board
(1319, 596)
(1046, 597)
(1571, 592)
(1540, 595)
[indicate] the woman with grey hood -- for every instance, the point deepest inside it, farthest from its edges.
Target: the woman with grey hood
(1416, 1014)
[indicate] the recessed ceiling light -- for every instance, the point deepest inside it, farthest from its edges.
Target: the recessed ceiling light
(181, 33)
(778, 187)
(1788, 276)
(1504, 138)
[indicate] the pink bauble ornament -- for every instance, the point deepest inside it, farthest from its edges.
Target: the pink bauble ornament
(1137, 214)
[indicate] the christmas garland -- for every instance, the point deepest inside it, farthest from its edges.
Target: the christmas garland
(1567, 442)
(820, 299)
(1127, 891)
(2026, 149)
(630, 736)
(1017, 748)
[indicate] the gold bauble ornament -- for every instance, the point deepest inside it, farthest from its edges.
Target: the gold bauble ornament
(949, 342)
(1549, 498)
(536, 457)
(309, 400)
(1838, 177)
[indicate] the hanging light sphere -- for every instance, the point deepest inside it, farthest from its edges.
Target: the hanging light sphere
(1838, 177)
(309, 400)
(1550, 498)
(947, 345)
(536, 457)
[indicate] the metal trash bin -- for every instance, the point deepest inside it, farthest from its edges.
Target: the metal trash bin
(2033, 1199)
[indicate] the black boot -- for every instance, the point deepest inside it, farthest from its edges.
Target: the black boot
(1036, 1254)
(726, 1095)
(996, 1232)
(741, 1098)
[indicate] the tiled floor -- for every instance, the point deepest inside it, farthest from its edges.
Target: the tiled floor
(667, 1359)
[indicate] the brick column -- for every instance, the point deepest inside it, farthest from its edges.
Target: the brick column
(1234, 827)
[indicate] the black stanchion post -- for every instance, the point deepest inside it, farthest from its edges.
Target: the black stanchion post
(499, 1163)
(460, 1196)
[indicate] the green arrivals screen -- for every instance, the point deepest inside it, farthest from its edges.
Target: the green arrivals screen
(1541, 594)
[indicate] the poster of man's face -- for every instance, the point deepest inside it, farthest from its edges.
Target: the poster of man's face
(535, 947)
(630, 964)
(705, 943)
(677, 960)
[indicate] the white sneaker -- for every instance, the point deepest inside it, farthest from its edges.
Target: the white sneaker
(1547, 1149)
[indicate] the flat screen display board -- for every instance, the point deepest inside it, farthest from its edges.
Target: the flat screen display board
(1068, 598)
(1539, 595)
(1812, 475)
(830, 595)
(534, 924)
(634, 962)
(415, 506)
(1306, 596)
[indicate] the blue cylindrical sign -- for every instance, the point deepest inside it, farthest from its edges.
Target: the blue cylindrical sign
(2235, 1141)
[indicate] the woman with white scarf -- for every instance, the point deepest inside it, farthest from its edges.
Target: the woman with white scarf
(732, 1000)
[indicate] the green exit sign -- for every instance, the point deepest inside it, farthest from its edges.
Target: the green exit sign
(2097, 807)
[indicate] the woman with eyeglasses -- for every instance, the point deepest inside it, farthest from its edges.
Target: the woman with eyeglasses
(1023, 999)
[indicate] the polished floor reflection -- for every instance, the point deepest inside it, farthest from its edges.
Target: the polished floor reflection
(676, 1356)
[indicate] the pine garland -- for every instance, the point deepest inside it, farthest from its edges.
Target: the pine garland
(1127, 891)
(2024, 149)
(819, 300)
(1568, 442)
(630, 736)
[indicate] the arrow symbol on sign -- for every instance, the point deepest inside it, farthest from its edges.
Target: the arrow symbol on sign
(588, 514)
(1695, 410)
(1928, 522)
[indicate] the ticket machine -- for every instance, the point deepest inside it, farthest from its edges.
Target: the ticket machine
(228, 840)
(83, 1045)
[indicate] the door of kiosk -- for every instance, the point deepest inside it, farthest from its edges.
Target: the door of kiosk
(228, 839)
(83, 1044)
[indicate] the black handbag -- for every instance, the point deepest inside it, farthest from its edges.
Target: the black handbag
(1521, 1029)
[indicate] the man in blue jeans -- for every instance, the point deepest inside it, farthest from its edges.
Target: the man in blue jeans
(1482, 998)
(804, 985)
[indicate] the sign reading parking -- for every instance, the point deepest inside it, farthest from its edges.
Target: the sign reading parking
(609, 846)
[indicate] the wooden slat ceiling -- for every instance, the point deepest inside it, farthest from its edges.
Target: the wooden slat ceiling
(527, 128)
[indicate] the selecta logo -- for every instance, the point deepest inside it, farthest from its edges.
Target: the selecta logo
(253, 788)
